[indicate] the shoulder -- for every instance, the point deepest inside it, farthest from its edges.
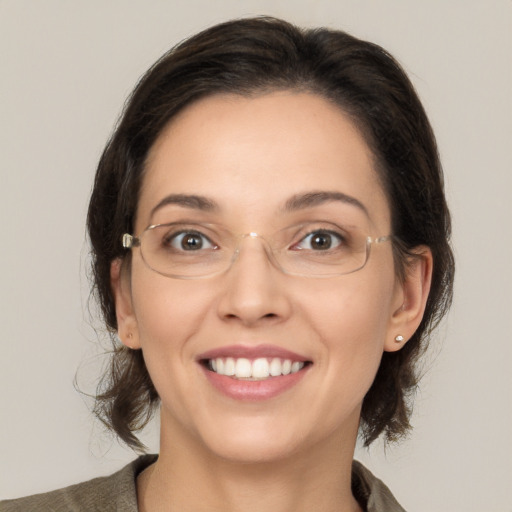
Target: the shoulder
(372, 492)
(116, 492)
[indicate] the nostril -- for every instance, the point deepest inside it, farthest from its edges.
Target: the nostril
(268, 315)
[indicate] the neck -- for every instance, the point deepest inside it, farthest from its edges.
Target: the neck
(187, 477)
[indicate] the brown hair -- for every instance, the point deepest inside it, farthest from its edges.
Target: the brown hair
(250, 56)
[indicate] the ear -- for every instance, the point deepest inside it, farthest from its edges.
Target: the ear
(410, 299)
(127, 327)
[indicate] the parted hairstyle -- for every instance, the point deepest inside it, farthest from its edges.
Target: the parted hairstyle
(249, 57)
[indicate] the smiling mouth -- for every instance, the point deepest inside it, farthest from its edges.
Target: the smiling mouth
(261, 368)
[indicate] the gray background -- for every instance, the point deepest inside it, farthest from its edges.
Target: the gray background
(65, 69)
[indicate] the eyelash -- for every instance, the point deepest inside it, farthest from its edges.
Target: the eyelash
(170, 239)
(340, 238)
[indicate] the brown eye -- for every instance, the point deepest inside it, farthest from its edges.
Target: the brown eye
(189, 241)
(320, 241)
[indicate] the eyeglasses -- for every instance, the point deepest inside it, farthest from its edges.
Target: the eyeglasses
(191, 251)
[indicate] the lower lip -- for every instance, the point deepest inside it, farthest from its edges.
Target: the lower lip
(254, 390)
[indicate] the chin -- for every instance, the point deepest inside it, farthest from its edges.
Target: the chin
(253, 450)
(255, 440)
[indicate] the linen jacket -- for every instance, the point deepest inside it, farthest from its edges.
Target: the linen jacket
(117, 493)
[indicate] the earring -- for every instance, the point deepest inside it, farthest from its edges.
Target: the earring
(399, 338)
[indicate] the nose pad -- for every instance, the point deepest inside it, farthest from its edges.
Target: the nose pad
(266, 246)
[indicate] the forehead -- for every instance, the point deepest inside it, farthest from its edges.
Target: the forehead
(250, 155)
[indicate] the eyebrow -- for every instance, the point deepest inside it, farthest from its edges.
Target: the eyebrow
(317, 198)
(294, 203)
(187, 201)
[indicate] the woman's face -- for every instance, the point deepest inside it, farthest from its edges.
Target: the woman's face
(254, 162)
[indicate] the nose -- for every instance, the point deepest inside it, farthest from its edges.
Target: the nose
(254, 290)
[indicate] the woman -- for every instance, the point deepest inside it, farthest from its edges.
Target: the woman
(271, 253)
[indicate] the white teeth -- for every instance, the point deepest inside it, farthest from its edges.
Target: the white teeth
(275, 367)
(296, 367)
(243, 368)
(258, 369)
(229, 366)
(287, 367)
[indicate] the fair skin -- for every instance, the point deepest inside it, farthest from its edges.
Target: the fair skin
(290, 450)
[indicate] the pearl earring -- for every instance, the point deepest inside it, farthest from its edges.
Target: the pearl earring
(399, 338)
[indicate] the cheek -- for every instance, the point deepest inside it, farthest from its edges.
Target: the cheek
(168, 312)
(354, 306)
(351, 321)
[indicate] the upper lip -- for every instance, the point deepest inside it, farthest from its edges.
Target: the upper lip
(252, 352)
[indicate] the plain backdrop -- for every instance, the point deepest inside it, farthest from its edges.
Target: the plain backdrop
(66, 68)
